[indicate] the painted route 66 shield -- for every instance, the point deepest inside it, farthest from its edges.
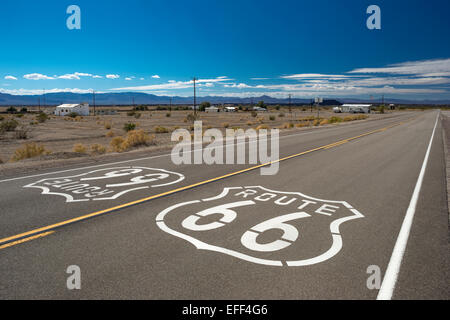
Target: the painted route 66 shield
(262, 226)
(106, 184)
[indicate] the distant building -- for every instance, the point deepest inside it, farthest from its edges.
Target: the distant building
(230, 109)
(108, 112)
(66, 109)
(212, 109)
(259, 109)
(356, 108)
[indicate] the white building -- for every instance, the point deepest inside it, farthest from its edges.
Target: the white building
(66, 109)
(230, 109)
(356, 108)
(212, 109)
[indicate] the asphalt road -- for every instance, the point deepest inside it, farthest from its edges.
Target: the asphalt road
(225, 232)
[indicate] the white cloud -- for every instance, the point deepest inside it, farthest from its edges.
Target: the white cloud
(173, 85)
(97, 77)
(315, 76)
(436, 66)
(37, 76)
(26, 92)
(69, 77)
(10, 78)
(155, 76)
(112, 76)
(239, 86)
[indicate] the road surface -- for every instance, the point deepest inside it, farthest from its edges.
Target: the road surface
(335, 209)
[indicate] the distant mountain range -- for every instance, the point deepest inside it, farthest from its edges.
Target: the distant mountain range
(127, 98)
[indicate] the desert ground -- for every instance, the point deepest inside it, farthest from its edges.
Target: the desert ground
(64, 137)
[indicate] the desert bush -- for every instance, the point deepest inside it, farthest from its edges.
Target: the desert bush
(116, 144)
(140, 108)
(324, 122)
(72, 115)
(249, 123)
(11, 110)
(137, 115)
(79, 148)
(2, 118)
(191, 117)
(316, 122)
(129, 126)
(108, 125)
(19, 115)
(8, 125)
(138, 138)
(335, 119)
(97, 149)
(254, 114)
(135, 138)
(302, 125)
(131, 113)
(287, 125)
(272, 118)
(110, 134)
(160, 129)
(29, 150)
(262, 126)
(22, 132)
(225, 125)
(168, 115)
(281, 115)
(42, 117)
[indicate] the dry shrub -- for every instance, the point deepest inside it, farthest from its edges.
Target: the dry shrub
(324, 121)
(22, 133)
(262, 126)
(302, 125)
(108, 125)
(225, 125)
(134, 139)
(110, 134)
(116, 144)
(160, 129)
(249, 123)
(29, 150)
(79, 148)
(97, 149)
(316, 122)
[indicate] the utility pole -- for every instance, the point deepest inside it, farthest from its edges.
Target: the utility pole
(195, 99)
(290, 108)
(44, 97)
(170, 106)
(39, 105)
(93, 97)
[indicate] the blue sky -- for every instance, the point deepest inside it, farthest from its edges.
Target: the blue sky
(236, 48)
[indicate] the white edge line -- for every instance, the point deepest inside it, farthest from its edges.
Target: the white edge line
(393, 269)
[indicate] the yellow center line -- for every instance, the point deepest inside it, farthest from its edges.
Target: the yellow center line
(40, 235)
(40, 231)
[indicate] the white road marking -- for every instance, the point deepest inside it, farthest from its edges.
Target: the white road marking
(393, 269)
(149, 158)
